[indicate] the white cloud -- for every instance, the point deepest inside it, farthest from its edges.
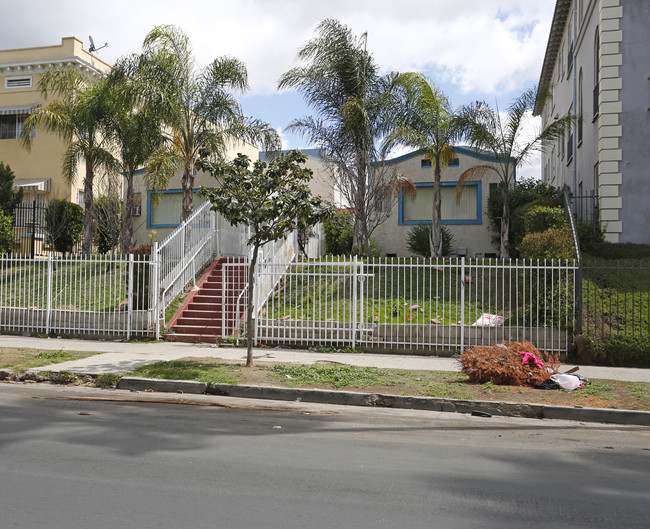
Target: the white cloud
(484, 46)
(283, 139)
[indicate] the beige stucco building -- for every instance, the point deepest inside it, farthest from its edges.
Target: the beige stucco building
(597, 63)
(38, 172)
(467, 221)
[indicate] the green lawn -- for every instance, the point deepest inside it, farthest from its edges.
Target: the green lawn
(422, 292)
(84, 286)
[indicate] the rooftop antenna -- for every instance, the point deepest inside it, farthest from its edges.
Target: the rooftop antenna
(93, 47)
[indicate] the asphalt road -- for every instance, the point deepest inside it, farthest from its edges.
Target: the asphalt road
(230, 463)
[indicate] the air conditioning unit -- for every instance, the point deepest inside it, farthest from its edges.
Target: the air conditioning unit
(137, 210)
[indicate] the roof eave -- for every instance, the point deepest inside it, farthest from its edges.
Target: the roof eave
(560, 16)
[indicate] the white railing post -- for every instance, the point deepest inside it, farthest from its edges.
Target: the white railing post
(355, 308)
(48, 314)
(129, 314)
(255, 296)
(462, 304)
(154, 287)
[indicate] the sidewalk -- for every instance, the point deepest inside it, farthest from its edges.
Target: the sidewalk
(122, 357)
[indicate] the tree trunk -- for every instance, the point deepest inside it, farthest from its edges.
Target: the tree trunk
(249, 312)
(505, 226)
(127, 234)
(435, 241)
(87, 244)
(188, 190)
(360, 232)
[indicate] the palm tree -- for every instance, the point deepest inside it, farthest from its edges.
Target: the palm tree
(80, 118)
(486, 129)
(198, 106)
(137, 131)
(426, 122)
(341, 83)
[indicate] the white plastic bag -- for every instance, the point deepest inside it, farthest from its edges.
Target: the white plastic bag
(568, 382)
(489, 320)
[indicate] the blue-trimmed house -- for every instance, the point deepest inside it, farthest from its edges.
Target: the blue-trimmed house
(467, 221)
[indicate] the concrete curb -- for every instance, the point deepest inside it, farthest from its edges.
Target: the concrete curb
(350, 398)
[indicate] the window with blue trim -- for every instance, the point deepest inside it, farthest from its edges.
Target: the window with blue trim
(425, 163)
(455, 162)
(418, 210)
(164, 209)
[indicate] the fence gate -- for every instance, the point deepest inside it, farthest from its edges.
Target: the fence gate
(29, 227)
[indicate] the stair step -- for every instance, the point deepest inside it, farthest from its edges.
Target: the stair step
(198, 321)
(190, 338)
(193, 329)
(206, 315)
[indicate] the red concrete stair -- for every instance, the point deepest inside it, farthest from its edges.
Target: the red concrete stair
(200, 318)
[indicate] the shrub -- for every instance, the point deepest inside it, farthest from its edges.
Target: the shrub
(9, 198)
(7, 238)
(590, 237)
(108, 222)
(501, 364)
(141, 279)
(527, 191)
(417, 240)
(64, 223)
(556, 243)
(541, 218)
(627, 350)
(339, 234)
(625, 250)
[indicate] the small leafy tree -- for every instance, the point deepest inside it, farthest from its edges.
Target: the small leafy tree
(7, 238)
(9, 198)
(64, 223)
(272, 199)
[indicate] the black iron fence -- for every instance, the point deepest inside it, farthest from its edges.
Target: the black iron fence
(616, 298)
(29, 227)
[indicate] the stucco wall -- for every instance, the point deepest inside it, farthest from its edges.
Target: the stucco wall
(635, 121)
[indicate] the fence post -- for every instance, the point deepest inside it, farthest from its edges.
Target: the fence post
(154, 294)
(255, 295)
(129, 315)
(462, 304)
(578, 295)
(48, 314)
(33, 245)
(355, 306)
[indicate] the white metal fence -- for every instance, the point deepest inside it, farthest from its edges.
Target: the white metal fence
(183, 253)
(414, 305)
(98, 296)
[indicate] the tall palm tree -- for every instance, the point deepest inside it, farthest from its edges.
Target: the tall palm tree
(486, 129)
(341, 83)
(198, 106)
(79, 116)
(426, 121)
(136, 129)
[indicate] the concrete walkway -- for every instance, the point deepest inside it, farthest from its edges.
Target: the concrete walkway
(122, 357)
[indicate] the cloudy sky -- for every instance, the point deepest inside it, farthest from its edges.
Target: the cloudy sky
(473, 49)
